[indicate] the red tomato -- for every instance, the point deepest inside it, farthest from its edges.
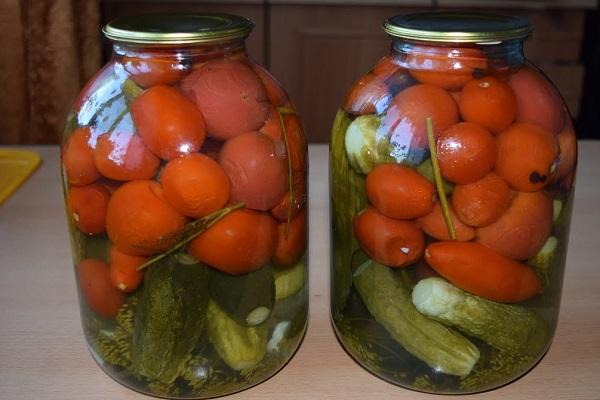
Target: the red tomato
(435, 226)
(446, 67)
(567, 142)
(275, 92)
(169, 123)
(258, 177)
(527, 156)
(369, 95)
(230, 96)
(399, 191)
(123, 270)
(159, 70)
(538, 102)
(405, 118)
(87, 205)
(482, 202)
(123, 156)
(78, 158)
(195, 185)
(391, 242)
(483, 272)
(241, 242)
(466, 152)
(522, 230)
(488, 102)
(95, 284)
(299, 198)
(291, 247)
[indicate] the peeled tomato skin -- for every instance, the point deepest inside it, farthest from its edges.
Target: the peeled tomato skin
(258, 176)
(230, 96)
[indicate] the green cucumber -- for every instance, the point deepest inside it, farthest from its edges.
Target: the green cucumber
(388, 299)
(170, 317)
(507, 327)
(248, 299)
(240, 347)
(347, 199)
(289, 280)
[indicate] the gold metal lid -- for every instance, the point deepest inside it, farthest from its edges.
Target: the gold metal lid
(457, 27)
(177, 28)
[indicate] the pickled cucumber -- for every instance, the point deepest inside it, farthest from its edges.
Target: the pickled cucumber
(289, 280)
(348, 198)
(389, 301)
(248, 299)
(506, 327)
(238, 346)
(170, 317)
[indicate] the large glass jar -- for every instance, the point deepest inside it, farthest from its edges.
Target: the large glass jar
(452, 168)
(184, 173)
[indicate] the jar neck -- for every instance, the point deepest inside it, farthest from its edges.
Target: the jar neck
(456, 56)
(192, 53)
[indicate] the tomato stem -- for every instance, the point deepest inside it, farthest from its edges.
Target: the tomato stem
(437, 177)
(280, 112)
(192, 230)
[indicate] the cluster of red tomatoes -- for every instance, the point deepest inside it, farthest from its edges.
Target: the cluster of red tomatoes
(503, 138)
(211, 135)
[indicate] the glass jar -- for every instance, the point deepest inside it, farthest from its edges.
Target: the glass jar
(184, 174)
(452, 171)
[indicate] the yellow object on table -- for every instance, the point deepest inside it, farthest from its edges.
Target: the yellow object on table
(15, 167)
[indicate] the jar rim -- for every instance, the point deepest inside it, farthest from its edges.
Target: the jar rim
(458, 27)
(177, 28)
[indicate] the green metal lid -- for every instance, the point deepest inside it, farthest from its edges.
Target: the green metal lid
(177, 28)
(463, 27)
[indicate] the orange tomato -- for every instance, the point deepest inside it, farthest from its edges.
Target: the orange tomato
(169, 123)
(435, 226)
(275, 92)
(398, 191)
(258, 177)
(368, 96)
(527, 156)
(230, 96)
(386, 66)
(273, 130)
(139, 220)
(538, 102)
(445, 67)
(195, 185)
(522, 230)
(87, 205)
(97, 289)
(158, 70)
(567, 157)
(78, 158)
(291, 247)
(123, 156)
(488, 102)
(466, 152)
(297, 143)
(299, 198)
(389, 241)
(483, 272)
(123, 270)
(241, 242)
(482, 202)
(405, 118)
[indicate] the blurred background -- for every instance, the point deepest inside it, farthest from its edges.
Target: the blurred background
(316, 48)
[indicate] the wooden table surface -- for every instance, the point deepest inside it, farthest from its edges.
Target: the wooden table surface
(42, 350)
